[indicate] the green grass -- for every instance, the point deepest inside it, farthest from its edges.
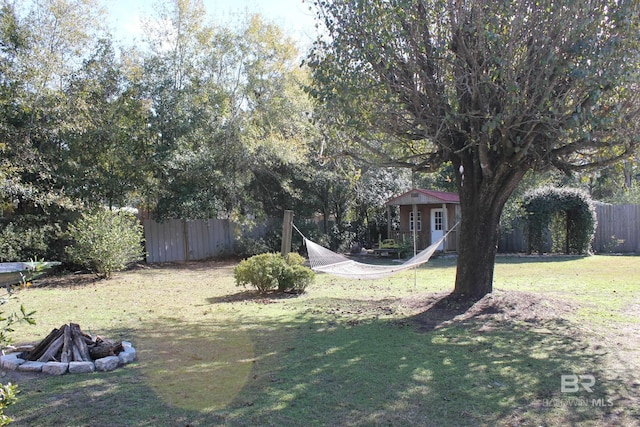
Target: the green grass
(346, 352)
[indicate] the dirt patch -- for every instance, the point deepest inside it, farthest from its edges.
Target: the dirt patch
(433, 311)
(18, 377)
(66, 280)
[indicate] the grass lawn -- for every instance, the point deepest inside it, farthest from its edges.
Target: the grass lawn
(393, 351)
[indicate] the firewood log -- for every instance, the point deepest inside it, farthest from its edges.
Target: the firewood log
(42, 347)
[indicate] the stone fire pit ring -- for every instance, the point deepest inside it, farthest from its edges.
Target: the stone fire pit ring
(14, 362)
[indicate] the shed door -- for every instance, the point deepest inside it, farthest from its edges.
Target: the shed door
(437, 226)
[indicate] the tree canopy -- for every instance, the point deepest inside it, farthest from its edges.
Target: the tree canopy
(205, 119)
(199, 120)
(495, 88)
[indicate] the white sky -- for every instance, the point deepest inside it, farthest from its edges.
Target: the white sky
(293, 16)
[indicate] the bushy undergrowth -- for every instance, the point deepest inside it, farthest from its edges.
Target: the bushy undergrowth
(248, 246)
(106, 241)
(270, 271)
(28, 237)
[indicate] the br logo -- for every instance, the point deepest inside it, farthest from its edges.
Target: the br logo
(572, 383)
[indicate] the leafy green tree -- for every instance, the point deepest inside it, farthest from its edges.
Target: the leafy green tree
(13, 115)
(106, 159)
(495, 88)
(229, 113)
(43, 43)
(328, 188)
(375, 187)
(34, 207)
(60, 34)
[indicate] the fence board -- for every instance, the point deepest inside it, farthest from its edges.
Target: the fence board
(164, 241)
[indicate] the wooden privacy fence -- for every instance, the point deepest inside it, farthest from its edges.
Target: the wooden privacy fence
(183, 240)
(177, 240)
(618, 228)
(618, 231)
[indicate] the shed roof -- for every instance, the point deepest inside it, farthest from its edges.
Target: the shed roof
(419, 196)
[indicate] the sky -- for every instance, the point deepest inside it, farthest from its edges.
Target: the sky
(293, 16)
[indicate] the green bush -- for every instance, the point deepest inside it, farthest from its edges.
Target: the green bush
(106, 241)
(248, 246)
(260, 271)
(269, 271)
(295, 279)
(294, 258)
(20, 242)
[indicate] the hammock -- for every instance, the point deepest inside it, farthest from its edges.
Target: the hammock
(324, 260)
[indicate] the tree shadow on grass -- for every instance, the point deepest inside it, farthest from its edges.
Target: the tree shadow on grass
(536, 258)
(450, 262)
(478, 370)
(444, 366)
(251, 295)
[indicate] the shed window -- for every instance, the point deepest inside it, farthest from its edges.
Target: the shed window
(438, 220)
(411, 222)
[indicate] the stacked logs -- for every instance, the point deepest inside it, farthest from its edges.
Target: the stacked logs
(70, 344)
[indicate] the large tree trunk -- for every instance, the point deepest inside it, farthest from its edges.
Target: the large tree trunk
(482, 199)
(477, 249)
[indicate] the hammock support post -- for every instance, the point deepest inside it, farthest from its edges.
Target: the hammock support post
(287, 231)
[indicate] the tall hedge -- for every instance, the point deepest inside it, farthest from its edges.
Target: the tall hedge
(544, 203)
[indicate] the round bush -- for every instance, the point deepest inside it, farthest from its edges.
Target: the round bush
(260, 271)
(294, 258)
(106, 241)
(295, 279)
(270, 271)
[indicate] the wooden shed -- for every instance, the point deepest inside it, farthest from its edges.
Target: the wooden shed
(427, 215)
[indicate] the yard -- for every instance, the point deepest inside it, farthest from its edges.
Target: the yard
(388, 352)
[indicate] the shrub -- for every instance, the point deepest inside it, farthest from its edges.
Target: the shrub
(106, 241)
(406, 248)
(20, 242)
(260, 271)
(294, 258)
(248, 246)
(269, 271)
(295, 279)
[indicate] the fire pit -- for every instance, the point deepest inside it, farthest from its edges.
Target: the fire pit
(69, 349)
